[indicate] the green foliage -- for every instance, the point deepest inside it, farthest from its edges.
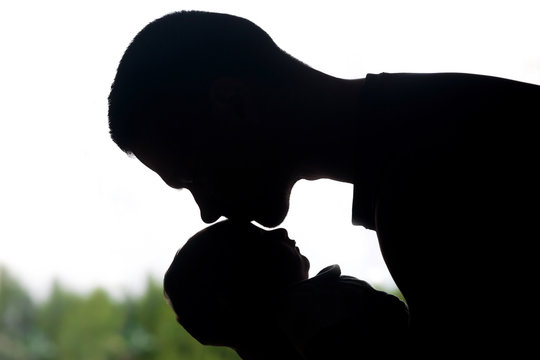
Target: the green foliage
(95, 326)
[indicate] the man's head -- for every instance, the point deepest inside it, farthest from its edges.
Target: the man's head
(222, 281)
(189, 101)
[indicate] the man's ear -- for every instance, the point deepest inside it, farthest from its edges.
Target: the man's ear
(228, 94)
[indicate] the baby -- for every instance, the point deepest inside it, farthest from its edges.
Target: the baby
(234, 284)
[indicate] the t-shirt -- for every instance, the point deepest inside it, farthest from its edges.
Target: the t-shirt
(422, 117)
(451, 187)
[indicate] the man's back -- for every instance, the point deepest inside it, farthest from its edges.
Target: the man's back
(453, 195)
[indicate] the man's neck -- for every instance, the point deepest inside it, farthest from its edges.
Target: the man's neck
(330, 127)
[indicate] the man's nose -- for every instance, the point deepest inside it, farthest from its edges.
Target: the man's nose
(210, 211)
(172, 181)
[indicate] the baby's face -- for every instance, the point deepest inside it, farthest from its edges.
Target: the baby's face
(248, 253)
(281, 254)
(267, 256)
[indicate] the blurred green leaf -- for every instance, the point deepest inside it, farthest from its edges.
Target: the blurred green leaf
(95, 326)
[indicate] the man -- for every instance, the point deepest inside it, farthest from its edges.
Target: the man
(234, 284)
(443, 165)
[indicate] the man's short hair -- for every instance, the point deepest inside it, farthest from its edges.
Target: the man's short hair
(174, 59)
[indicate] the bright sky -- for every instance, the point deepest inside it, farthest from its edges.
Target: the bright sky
(74, 207)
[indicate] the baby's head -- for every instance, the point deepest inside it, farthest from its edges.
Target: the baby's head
(222, 282)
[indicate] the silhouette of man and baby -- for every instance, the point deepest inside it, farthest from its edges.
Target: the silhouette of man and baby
(443, 168)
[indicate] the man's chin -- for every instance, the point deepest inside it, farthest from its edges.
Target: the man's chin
(269, 217)
(266, 221)
(270, 220)
(273, 214)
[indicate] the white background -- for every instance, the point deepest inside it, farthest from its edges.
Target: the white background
(74, 207)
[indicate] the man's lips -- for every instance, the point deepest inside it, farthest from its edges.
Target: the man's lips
(210, 216)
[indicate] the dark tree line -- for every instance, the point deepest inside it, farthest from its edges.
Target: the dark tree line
(94, 326)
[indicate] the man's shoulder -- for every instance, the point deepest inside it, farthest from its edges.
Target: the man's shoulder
(452, 84)
(440, 76)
